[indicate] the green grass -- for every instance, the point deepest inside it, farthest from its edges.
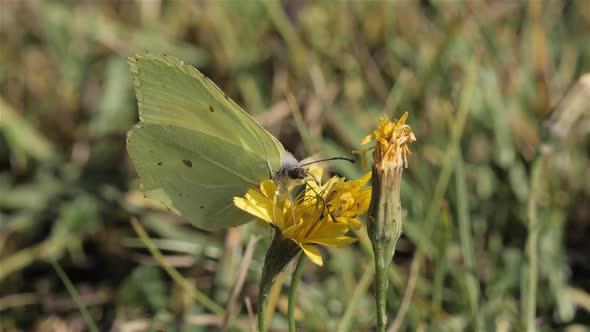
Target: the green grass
(495, 199)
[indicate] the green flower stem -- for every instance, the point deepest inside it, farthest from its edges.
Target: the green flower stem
(384, 228)
(280, 253)
(293, 291)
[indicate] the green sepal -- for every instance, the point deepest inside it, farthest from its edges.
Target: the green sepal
(279, 254)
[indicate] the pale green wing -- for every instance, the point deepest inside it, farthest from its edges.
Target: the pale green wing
(195, 173)
(194, 148)
(171, 92)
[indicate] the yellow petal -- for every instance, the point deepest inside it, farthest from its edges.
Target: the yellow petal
(313, 254)
(333, 241)
(362, 152)
(252, 208)
(403, 119)
(268, 188)
(327, 227)
(364, 201)
(329, 234)
(317, 171)
(277, 213)
(364, 179)
(366, 140)
(294, 232)
(352, 222)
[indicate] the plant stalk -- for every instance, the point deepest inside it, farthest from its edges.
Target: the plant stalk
(293, 292)
(384, 229)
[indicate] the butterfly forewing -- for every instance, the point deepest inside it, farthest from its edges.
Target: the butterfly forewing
(172, 92)
(194, 148)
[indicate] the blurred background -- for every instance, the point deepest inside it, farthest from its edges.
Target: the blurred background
(497, 99)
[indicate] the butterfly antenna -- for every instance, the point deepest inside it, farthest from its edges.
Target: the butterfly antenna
(327, 159)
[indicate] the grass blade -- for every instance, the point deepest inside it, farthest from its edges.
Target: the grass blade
(75, 296)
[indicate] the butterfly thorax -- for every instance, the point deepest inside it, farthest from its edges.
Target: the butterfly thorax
(290, 169)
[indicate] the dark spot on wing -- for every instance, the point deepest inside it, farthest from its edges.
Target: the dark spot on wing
(179, 194)
(160, 163)
(188, 163)
(202, 207)
(211, 109)
(226, 97)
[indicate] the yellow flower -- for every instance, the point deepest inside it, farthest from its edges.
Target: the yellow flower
(345, 200)
(318, 214)
(391, 148)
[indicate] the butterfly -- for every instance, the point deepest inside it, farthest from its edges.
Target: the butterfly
(194, 148)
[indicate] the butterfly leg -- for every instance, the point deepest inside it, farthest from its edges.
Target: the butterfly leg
(270, 175)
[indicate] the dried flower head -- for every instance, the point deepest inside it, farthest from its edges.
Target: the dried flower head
(391, 149)
(384, 225)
